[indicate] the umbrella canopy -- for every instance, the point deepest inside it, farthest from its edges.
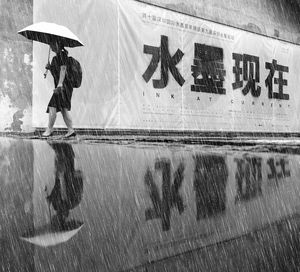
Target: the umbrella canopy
(49, 32)
(46, 236)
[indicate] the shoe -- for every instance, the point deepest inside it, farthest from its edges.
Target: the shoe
(70, 134)
(47, 133)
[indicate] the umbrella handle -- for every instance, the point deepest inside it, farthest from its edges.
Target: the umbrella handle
(48, 63)
(45, 74)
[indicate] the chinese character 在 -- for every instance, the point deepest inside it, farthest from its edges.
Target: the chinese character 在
(249, 72)
(162, 206)
(168, 62)
(208, 63)
(280, 81)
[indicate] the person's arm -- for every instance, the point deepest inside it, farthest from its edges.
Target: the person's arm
(63, 188)
(62, 75)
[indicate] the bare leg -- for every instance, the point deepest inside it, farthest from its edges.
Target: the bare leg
(51, 121)
(68, 120)
(52, 117)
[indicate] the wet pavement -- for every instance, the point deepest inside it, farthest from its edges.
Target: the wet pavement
(90, 206)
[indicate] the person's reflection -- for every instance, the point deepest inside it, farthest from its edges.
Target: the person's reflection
(210, 180)
(68, 188)
(65, 195)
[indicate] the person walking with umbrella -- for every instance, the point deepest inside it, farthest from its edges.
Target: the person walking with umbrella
(62, 94)
(66, 71)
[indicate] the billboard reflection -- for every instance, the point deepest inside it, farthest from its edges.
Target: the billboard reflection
(141, 203)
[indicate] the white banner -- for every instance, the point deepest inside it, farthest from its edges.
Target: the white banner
(150, 68)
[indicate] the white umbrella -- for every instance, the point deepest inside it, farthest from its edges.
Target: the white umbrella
(45, 32)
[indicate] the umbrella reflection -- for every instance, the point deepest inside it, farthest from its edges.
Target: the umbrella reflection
(56, 233)
(65, 196)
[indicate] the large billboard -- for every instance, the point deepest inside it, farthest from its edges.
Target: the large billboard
(145, 67)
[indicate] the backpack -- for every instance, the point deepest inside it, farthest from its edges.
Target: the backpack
(74, 72)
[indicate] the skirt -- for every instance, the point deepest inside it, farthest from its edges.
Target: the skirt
(61, 100)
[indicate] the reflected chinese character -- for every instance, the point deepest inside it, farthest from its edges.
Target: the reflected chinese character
(210, 179)
(282, 172)
(248, 178)
(171, 197)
